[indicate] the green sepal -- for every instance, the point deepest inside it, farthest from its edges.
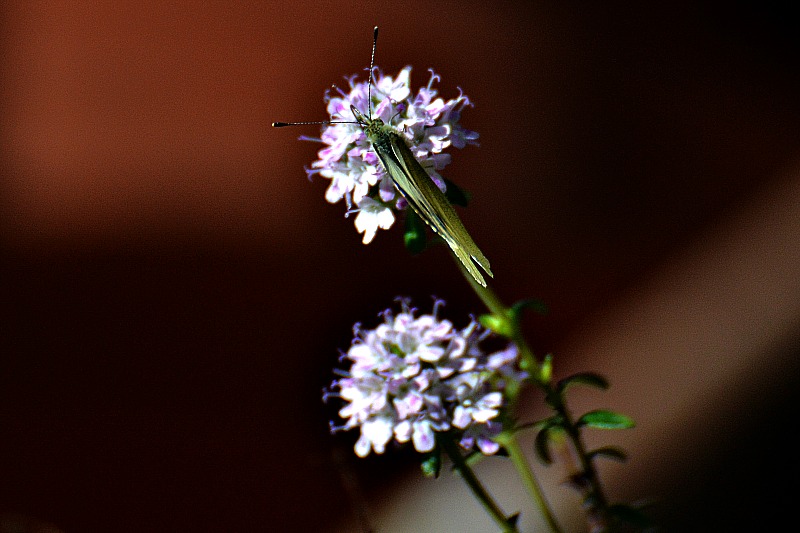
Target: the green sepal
(455, 194)
(414, 236)
(432, 464)
(608, 452)
(396, 350)
(497, 324)
(605, 419)
(583, 378)
(629, 514)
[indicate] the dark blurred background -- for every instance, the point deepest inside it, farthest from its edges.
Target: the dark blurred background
(174, 292)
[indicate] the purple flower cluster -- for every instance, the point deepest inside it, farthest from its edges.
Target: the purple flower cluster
(413, 376)
(429, 125)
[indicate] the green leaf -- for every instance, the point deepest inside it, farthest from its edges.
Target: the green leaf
(535, 425)
(432, 465)
(631, 515)
(605, 419)
(542, 445)
(583, 378)
(497, 324)
(609, 452)
(536, 305)
(414, 236)
(455, 194)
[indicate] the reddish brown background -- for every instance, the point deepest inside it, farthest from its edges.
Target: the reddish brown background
(173, 291)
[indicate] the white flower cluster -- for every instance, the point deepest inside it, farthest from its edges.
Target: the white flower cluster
(429, 125)
(413, 376)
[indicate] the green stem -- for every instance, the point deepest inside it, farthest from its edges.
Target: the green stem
(595, 501)
(594, 498)
(451, 448)
(487, 295)
(509, 441)
(496, 306)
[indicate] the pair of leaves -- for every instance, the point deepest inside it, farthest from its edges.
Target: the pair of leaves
(553, 430)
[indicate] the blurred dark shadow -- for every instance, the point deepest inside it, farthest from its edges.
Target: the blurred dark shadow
(173, 292)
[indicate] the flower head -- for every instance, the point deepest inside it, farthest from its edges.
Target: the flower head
(413, 376)
(428, 124)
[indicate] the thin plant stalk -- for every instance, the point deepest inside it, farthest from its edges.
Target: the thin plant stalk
(460, 464)
(594, 497)
(586, 480)
(509, 441)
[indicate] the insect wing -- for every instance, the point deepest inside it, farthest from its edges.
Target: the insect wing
(430, 202)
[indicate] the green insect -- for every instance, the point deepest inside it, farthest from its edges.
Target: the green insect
(416, 186)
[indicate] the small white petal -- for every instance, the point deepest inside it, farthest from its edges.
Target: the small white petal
(365, 224)
(402, 431)
(385, 218)
(430, 354)
(424, 440)
(461, 417)
(484, 415)
(492, 400)
(378, 431)
(488, 447)
(371, 216)
(363, 446)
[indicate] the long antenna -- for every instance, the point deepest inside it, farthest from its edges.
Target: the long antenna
(371, 66)
(284, 124)
(369, 93)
